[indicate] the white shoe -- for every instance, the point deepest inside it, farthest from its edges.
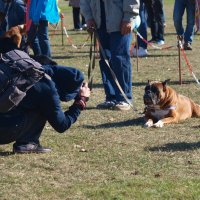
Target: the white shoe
(122, 105)
(160, 42)
(140, 53)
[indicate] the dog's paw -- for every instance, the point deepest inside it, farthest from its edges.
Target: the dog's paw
(148, 124)
(159, 124)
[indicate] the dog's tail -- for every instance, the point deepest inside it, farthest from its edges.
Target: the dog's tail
(196, 110)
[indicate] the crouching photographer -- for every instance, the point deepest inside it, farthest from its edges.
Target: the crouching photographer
(24, 124)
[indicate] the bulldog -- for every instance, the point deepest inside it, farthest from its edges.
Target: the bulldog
(163, 105)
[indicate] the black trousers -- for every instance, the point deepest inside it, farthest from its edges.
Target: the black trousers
(78, 19)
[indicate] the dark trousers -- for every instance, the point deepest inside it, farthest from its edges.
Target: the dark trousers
(21, 126)
(76, 18)
(156, 18)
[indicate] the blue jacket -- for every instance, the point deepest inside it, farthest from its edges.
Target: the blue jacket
(44, 97)
(14, 16)
(44, 10)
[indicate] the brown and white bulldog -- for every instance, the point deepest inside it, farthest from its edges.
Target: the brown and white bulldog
(163, 105)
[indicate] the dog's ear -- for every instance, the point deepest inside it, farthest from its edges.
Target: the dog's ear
(166, 81)
(148, 82)
(165, 84)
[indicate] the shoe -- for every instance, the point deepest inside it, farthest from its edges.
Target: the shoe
(84, 26)
(142, 52)
(78, 29)
(122, 105)
(106, 105)
(30, 148)
(187, 46)
(160, 42)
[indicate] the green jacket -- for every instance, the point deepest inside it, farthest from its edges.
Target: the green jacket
(116, 11)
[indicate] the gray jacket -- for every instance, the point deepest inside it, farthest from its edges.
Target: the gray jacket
(116, 11)
(74, 3)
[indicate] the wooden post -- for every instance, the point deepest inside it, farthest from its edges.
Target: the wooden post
(180, 38)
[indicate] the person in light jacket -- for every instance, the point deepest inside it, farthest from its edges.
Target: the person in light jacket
(113, 20)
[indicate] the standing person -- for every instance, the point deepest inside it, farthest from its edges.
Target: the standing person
(156, 17)
(113, 21)
(79, 25)
(41, 13)
(179, 8)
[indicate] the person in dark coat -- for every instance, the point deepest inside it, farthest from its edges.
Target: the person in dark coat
(42, 103)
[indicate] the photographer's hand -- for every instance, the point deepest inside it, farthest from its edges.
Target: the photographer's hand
(84, 90)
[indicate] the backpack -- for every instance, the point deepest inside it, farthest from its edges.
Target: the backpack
(18, 73)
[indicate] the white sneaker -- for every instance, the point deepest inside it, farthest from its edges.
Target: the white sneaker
(160, 42)
(140, 53)
(122, 105)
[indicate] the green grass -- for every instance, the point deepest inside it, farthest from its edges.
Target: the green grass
(122, 160)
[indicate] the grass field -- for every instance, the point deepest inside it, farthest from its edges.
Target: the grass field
(108, 155)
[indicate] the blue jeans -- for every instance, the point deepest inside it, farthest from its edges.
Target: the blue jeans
(143, 26)
(116, 47)
(179, 7)
(38, 37)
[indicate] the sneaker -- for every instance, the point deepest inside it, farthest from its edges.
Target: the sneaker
(106, 105)
(142, 52)
(84, 26)
(30, 148)
(187, 46)
(122, 105)
(160, 42)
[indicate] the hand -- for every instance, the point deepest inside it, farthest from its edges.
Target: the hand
(84, 90)
(125, 28)
(91, 25)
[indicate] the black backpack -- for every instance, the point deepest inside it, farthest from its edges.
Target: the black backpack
(18, 73)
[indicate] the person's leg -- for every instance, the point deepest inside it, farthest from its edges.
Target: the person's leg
(33, 127)
(107, 79)
(43, 37)
(189, 31)
(28, 141)
(179, 8)
(143, 26)
(33, 39)
(11, 126)
(76, 18)
(159, 18)
(151, 19)
(121, 64)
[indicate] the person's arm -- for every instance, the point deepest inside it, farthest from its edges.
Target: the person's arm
(85, 9)
(131, 10)
(49, 105)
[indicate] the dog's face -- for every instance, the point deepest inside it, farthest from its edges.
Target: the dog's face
(16, 34)
(154, 92)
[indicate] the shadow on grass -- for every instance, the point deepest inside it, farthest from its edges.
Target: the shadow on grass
(137, 121)
(6, 153)
(179, 146)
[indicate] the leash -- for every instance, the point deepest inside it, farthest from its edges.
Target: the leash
(112, 72)
(91, 65)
